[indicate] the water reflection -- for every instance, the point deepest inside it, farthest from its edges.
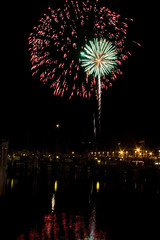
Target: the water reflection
(81, 208)
(93, 232)
(92, 201)
(3, 179)
(53, 202)
(64, 227)
(55, 186)
(67, 225)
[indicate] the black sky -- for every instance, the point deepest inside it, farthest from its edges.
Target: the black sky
(130, 109)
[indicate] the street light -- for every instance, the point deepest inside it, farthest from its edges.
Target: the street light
(121, 153)
(137, 152)
(57, 136)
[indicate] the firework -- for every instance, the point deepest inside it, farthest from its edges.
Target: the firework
(99, 58)
(61, 34)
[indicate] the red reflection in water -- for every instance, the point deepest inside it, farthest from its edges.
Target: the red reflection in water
(68, 226)
(21, 237)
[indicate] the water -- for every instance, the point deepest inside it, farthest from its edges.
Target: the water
(121, 204)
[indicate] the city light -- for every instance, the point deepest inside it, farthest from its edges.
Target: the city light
(157, 163)
(98, 161)
(55, 186)
(97, 186)
(12, 182)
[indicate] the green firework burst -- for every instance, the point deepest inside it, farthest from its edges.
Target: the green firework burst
(99, 57)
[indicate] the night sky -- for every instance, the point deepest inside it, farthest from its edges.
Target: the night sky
(130, 109)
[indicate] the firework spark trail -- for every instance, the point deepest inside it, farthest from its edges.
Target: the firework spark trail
(61, 34)
(99, 103)
(99, 58)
